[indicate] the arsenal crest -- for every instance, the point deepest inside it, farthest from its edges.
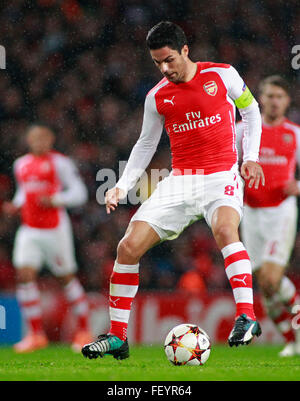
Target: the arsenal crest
(211, 88)
(287, 138)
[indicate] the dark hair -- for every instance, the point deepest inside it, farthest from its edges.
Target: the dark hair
(276, 80)
(39, 124)
(166, 33)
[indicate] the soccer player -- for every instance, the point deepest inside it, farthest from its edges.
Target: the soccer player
(195, 102)
(47, 183)
(269, 224)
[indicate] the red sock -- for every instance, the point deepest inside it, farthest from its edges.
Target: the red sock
(283, 323)
(124, 283)
(78, 301)
(279, 313)
(118, 329)
(288, 293)
(239, 273)
(28, 296)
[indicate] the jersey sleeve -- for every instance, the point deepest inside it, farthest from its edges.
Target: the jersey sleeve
(297, 134)
(74, 192)
(239, 139)
(145, 147)
(19, 195)
(249, 111)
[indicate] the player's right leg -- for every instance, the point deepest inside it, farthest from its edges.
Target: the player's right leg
(280, 295)
(124, 281)
(269, 234)
(27, 259)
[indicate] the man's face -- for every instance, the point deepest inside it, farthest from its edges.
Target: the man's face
(274, 101)
(172, 65)
(40, 140)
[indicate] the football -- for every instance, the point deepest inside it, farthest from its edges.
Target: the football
(187, 344)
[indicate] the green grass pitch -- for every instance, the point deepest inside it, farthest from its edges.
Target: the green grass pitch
(148, 363)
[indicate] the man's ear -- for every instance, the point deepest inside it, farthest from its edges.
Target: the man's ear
(185, 51)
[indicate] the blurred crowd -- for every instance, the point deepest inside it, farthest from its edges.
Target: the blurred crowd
(82, 66)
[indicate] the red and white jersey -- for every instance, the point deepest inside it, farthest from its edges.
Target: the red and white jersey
(199, 117)
(51, 174)
(279, 154)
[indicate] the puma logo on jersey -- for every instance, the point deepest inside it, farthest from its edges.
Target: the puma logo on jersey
(240, 279)
(169, 101)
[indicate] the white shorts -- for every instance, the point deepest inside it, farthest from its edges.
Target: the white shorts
(269, 233)
(180, 200)
(54, 248)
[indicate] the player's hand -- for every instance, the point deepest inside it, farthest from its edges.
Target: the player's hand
(46, 201)
(253, 172)
(112, 198)
(9, 208)
(292, 188)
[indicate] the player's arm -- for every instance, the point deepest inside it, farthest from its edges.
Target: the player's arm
(251, 118)
(292, 187)
(140, 155)
(74, 192)
(13, 207)
(239, 140)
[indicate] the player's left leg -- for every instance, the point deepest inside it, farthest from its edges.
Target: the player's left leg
(124, 282)
(77, 300)
(224, 224)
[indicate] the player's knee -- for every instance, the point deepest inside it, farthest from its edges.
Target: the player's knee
(65, 280)
(225, 234)
(26, 275)
(269, 283)
(268, 288)
(128, 251)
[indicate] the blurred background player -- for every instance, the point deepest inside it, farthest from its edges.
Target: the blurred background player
(269, 224)
(47, 183)
(196, 104)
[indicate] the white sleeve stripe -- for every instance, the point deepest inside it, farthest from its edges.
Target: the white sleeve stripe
(293, 127)
(154, 90)
(296, 130)
(74, 192)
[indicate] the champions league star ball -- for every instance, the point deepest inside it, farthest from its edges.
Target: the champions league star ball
(187, 344)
